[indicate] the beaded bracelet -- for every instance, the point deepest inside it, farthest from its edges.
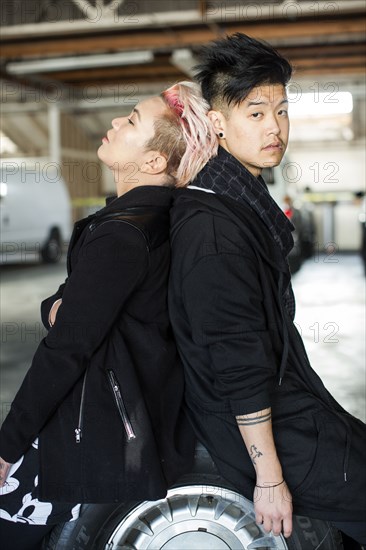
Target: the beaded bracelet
(270, 486)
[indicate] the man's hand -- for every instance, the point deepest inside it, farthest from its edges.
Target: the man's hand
(4, 471)
(272, 498)
(273, 508)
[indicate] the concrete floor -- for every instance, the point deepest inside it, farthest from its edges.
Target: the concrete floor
(330, 303)
(23, 287)
(330, 314)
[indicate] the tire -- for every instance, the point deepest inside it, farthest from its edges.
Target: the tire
(52, 250)
(191, 517)
(311, 534)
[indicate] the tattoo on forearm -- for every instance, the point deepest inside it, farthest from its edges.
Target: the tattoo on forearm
(244, 420)
(254, 453)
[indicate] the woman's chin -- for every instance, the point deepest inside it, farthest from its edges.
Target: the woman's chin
(100, 154)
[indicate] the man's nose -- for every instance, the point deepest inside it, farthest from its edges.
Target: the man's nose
(273, 127)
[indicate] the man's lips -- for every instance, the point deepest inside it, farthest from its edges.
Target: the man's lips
(275, 146)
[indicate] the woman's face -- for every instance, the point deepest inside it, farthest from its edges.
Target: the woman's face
(124, 145)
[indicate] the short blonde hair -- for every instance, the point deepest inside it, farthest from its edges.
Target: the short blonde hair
(184, 134)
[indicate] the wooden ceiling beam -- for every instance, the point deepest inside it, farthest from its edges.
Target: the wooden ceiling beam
(141, 79)
(331, 61)
(109, 43)
(177, 38)
(108, 72)
(169, 80)
(310, 57)
(300, 29)
(331, 71)
(167, 71)
(323, 50)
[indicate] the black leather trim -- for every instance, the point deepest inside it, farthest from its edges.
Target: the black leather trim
(152, 222)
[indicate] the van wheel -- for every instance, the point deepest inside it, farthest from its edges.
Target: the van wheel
(193, 516)
(52, 251)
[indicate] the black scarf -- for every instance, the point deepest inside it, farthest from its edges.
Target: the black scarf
(226, 176)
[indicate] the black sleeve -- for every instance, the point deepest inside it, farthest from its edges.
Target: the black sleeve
(48, 303)
(107, 271)
(224, 304)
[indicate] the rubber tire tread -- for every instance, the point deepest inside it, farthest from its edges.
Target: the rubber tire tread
(97, 522)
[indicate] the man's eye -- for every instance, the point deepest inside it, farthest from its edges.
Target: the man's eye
(130, 121)
(282, 112)
(255, 115)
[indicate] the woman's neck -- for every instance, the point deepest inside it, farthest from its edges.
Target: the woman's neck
(127, 181)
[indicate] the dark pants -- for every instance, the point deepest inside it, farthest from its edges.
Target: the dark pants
(22, 536)
(354, 531)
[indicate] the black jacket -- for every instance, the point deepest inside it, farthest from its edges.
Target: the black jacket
(237, 342)
(105, 388)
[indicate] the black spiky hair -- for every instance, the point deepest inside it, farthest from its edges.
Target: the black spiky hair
(231, 67)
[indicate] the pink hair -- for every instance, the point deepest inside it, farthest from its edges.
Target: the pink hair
(187, 103)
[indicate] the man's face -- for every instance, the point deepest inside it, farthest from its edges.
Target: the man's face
(256, 131)
(125, 142)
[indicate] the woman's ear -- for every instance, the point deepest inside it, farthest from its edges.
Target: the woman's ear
(218, 122)
(155, 164)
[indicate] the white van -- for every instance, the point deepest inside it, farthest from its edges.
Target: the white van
(35, 211)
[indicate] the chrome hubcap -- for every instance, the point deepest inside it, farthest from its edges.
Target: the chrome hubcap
(194, 517)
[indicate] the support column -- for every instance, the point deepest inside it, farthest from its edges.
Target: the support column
(54, 132)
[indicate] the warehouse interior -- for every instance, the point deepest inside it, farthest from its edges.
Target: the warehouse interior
(69, 67)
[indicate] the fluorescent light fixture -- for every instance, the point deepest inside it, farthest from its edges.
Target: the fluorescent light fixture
(79, 62)
(3, 189)
(184, 60)
(319, 104)
(6, 144)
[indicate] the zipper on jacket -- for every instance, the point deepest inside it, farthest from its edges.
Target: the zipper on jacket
(121, 406)
(79, 429)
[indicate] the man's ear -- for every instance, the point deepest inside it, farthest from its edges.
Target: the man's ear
(218, 121)
(154, 164)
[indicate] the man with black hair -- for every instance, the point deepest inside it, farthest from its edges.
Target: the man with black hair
(274, 431)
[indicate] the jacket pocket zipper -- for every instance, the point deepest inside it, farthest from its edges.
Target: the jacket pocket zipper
(121, 406)
(79, 429)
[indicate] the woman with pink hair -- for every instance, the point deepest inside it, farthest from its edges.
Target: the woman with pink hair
(98, 417)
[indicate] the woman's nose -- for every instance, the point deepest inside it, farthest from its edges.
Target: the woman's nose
(116, 122)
